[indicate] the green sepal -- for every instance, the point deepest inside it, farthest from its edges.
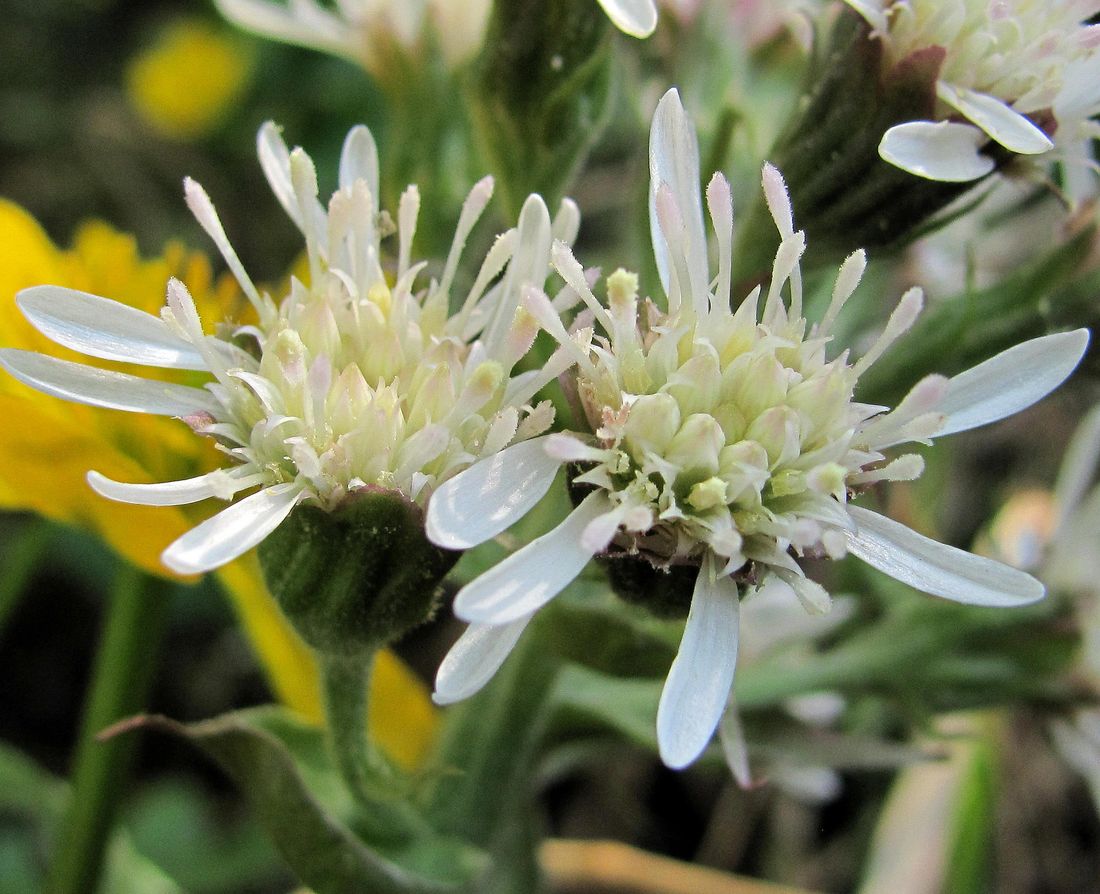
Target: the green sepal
(541, 94)
(358, 577)
(283, 768)
(664, 591)
(844, 196)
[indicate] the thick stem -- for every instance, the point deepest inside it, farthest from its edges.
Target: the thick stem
(121, 679)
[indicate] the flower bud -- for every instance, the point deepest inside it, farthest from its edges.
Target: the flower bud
(358, 577)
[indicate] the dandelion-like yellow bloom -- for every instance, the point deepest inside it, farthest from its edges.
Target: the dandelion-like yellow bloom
(187, 80)
(49, 446)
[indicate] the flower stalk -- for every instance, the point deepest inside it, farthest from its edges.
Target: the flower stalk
(122, 677)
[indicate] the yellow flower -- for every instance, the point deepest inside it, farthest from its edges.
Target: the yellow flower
(184, 84)
(45, 457)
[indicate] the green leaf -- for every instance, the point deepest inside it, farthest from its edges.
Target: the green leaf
(960, 332)
(296, 795)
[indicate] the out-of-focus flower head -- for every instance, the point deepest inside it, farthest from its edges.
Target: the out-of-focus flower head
(726, 446)
(1019, 73)
(369, 32)
(356, 381)
(50, 445)
(754, 22)
(188, 79)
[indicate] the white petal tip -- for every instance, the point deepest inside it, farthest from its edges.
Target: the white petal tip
(945, 150)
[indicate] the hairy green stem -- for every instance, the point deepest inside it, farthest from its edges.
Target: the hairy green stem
(345, 679)
(121, 679)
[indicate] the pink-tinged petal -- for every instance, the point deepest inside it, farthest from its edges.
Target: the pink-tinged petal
(100, 327)
(699, 682)
(473, 660)
(533, 575)
(105, 388)
(942, 150)
(674, 160)
(490, 496)
(1003, 124)
(528, 268)
(218, 483)
(233, 531)
(936, 568)
(638, 18)
(1011, 381)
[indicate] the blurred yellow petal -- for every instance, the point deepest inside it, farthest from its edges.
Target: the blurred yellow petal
(185, 83)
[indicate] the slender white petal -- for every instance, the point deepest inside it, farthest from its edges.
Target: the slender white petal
(103, 387)
(638, 18)
(1011, 381)
(936, 568)
(473, 660)
(275, 162)
(942, 150)
(528, 267)
(734, 746)
(1003, 123)
(100, 327)
(233, 531)
(218, 483)
(1078, 466)
(533, 575)
(490, 496)
(359, 161)
(674, 159)
(699, 681)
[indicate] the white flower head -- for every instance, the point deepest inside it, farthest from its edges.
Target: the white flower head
(1019, 72)
(367, 31)
(359, 379)
(727, 441)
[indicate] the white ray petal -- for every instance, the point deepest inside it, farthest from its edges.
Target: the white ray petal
(359, 161)
(1079, 466)
(533, 575)
(638, 18)
(1011, 381)
(942, 150)
(473, 660)
(490, 496)
(233, 531)
(100, 327)
(936, 568)
(218, 483)
(674, 159)
(104, 388)
(699, 681)
(1004, 124)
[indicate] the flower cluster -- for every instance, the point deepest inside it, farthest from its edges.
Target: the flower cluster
(356, 379)
(722, 440)
(1022, 73)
